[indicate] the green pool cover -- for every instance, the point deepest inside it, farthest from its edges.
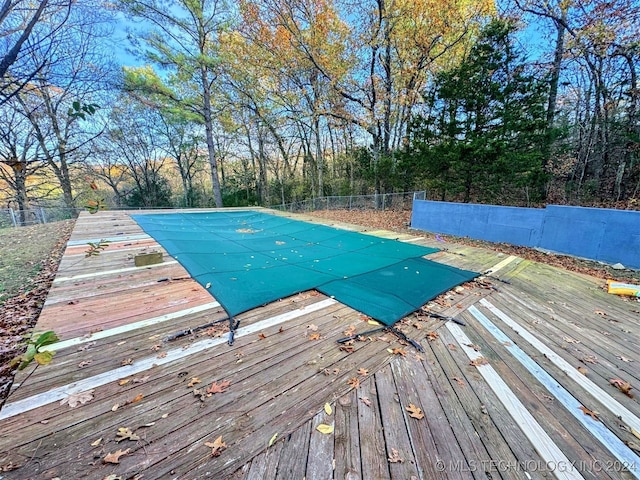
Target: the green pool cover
(249, 258)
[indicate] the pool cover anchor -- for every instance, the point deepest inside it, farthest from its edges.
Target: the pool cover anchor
(189, 331)
(232, 329)
(389, 328)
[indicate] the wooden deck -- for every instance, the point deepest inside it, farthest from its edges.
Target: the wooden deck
(523, 390)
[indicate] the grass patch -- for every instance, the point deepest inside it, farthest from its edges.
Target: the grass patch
(22, 253)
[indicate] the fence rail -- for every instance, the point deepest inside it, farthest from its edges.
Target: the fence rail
(10, 217)
(382, 201)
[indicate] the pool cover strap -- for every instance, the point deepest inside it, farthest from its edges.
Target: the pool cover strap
(249, 258)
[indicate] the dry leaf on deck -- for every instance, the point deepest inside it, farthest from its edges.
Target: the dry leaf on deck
(273, 439)
(624, 387)
(327, 409)
(600, 312)
(624, 359)
(363, 371)
(592, 359)
(431, 336)
(217, 446)
(415, 412)
(349, 332)
(127, 361)
(458, 380)
(583, 371)
(96, 442)
(633, 445)
(366, 401)
(312, 327)
(314, 336)
(395, 456)
(140, 379)
(324, 428)
(261, 336)
(591, 413)
(115, 456)
(124, 381)
(84, 363)
(475, 347)
(479, 361)
(219, 387)
(399, 351)
(347, 348)
(194, 381)
(354, 382)
(76, 399)
(124, 433)
(570, 340)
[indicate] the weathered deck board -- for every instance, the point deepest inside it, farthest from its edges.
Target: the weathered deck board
(280, 378)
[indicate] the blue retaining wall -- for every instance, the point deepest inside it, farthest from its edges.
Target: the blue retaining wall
(611, 236)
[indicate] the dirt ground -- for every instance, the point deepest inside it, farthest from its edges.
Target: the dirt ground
(29, 257)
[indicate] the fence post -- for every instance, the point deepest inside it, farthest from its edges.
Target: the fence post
(13, 217)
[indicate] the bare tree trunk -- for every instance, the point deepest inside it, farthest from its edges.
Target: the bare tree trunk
(213, 162)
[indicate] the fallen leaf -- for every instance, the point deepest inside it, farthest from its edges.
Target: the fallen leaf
(399, 351)
(164, 415)
(354, 382)
(261, 336)
(631, 430)
(140, 379)
(208, 285)
(592, 359)
(115, 407)
(350, 332)
(363, 371)
(155, 348)
(479, 361)
(591, 413)
(219, 387)
(458, 380)
(347, 348)
(217, 446)
(415, 412)
(96, 442)
(395, 456)
(273, 439)
(624, 359)
(127, 361)
(124, 433)
(161, 355)
(570, 340)
(583, 370)
(624, 387)
(324, 428)
(633, 445)
(312, 327)
(84, 364)
(137, 398)
(124, 381)
(475, 347)
(194, 381)
(314, 336)
(76, 399)
(115, 457)
(327, 409)
(113, 476)
(600, 312)
(366, 401)
(452, 347)
(431, 336)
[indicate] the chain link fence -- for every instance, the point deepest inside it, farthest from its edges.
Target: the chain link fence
(35, 215)
(382, 201)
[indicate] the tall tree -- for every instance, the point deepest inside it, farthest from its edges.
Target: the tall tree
(486, 133)
(183, 43)
(26, 27)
